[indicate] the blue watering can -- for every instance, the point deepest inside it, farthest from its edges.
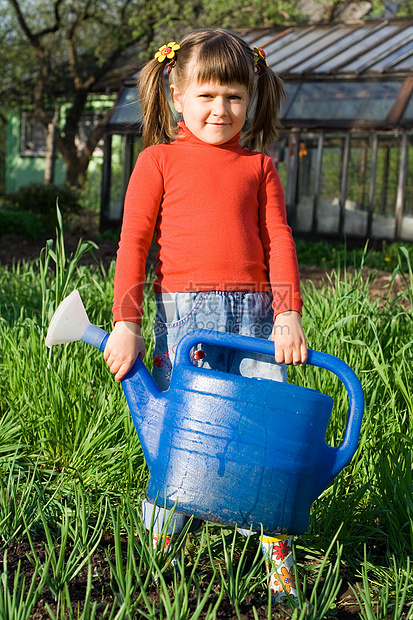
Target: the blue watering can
(226, 448)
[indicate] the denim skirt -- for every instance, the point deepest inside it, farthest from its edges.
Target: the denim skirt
(236, 312)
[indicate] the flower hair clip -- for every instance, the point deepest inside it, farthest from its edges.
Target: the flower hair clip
(167, 51)
(259, 54)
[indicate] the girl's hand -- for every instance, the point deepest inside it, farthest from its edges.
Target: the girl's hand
(289, 339)
(123, 347)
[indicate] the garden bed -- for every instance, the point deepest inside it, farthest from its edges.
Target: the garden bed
(72, 470)
(346, 606)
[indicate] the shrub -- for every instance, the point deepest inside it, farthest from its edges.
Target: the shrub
(41, 200)
(25, 223)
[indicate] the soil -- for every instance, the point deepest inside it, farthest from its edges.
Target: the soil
(104, 591)
(14, 248)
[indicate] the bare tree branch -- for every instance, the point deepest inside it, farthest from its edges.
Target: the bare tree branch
(34, 41)
(34, 38)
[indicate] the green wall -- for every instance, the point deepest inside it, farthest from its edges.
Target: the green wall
(23, 170)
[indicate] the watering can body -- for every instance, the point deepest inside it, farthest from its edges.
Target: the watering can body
(239, 451)
(242, 451)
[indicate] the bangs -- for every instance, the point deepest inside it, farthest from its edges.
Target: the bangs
(223, 60)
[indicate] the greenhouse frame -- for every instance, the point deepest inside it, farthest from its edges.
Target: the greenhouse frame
(345, 154)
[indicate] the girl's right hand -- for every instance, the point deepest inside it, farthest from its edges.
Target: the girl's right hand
(124, 345)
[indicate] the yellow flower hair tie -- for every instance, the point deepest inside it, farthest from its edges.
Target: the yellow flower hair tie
(167, 51)
(259, 55)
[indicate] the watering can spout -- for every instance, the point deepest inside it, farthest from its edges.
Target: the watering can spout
(71, 323)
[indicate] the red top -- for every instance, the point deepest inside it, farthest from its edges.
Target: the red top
(220, 223)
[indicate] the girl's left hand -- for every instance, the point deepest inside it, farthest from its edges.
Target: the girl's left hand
(289, 339)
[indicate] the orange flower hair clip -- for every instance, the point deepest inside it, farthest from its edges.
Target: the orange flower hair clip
(259, 54)
(167, 51)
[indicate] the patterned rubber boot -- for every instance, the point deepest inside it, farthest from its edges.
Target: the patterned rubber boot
(164, 542)
(279, 565)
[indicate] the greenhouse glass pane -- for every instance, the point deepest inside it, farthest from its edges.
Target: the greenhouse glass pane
(386, 185)
(306, 176)
(297, 44)
(344, 100)
(280, 43)
(358, 185)
(309, 50)
(408, 113)
(290, 90)
(357, 48)
(332, 49)
(372, 54)
(328, 207)
(404, 65)
(254, 36)
(407, 219)
(279, 153)
(384, 62)
(128, 110)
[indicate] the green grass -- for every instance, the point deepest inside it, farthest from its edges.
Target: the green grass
(379, 255)
(72, 470)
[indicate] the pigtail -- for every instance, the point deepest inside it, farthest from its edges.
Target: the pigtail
(269, 93)
(158, 124)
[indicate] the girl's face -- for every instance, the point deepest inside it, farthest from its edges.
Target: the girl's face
(213, 112)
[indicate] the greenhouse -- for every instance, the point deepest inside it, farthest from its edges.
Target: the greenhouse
(345, 156)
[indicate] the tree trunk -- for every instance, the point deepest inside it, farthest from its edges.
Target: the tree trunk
(76, 164)
(77, 161)
(76, 174)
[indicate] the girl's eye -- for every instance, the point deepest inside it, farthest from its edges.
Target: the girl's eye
(230, 97)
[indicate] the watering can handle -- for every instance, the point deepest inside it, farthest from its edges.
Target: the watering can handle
(346, 450)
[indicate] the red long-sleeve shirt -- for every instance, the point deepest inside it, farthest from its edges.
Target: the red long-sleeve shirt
(220, 223)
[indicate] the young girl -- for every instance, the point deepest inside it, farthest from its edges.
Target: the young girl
(226, 258)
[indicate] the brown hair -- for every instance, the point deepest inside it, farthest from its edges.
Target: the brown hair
(214, 55)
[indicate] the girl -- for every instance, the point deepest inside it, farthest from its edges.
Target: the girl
(226, 258)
